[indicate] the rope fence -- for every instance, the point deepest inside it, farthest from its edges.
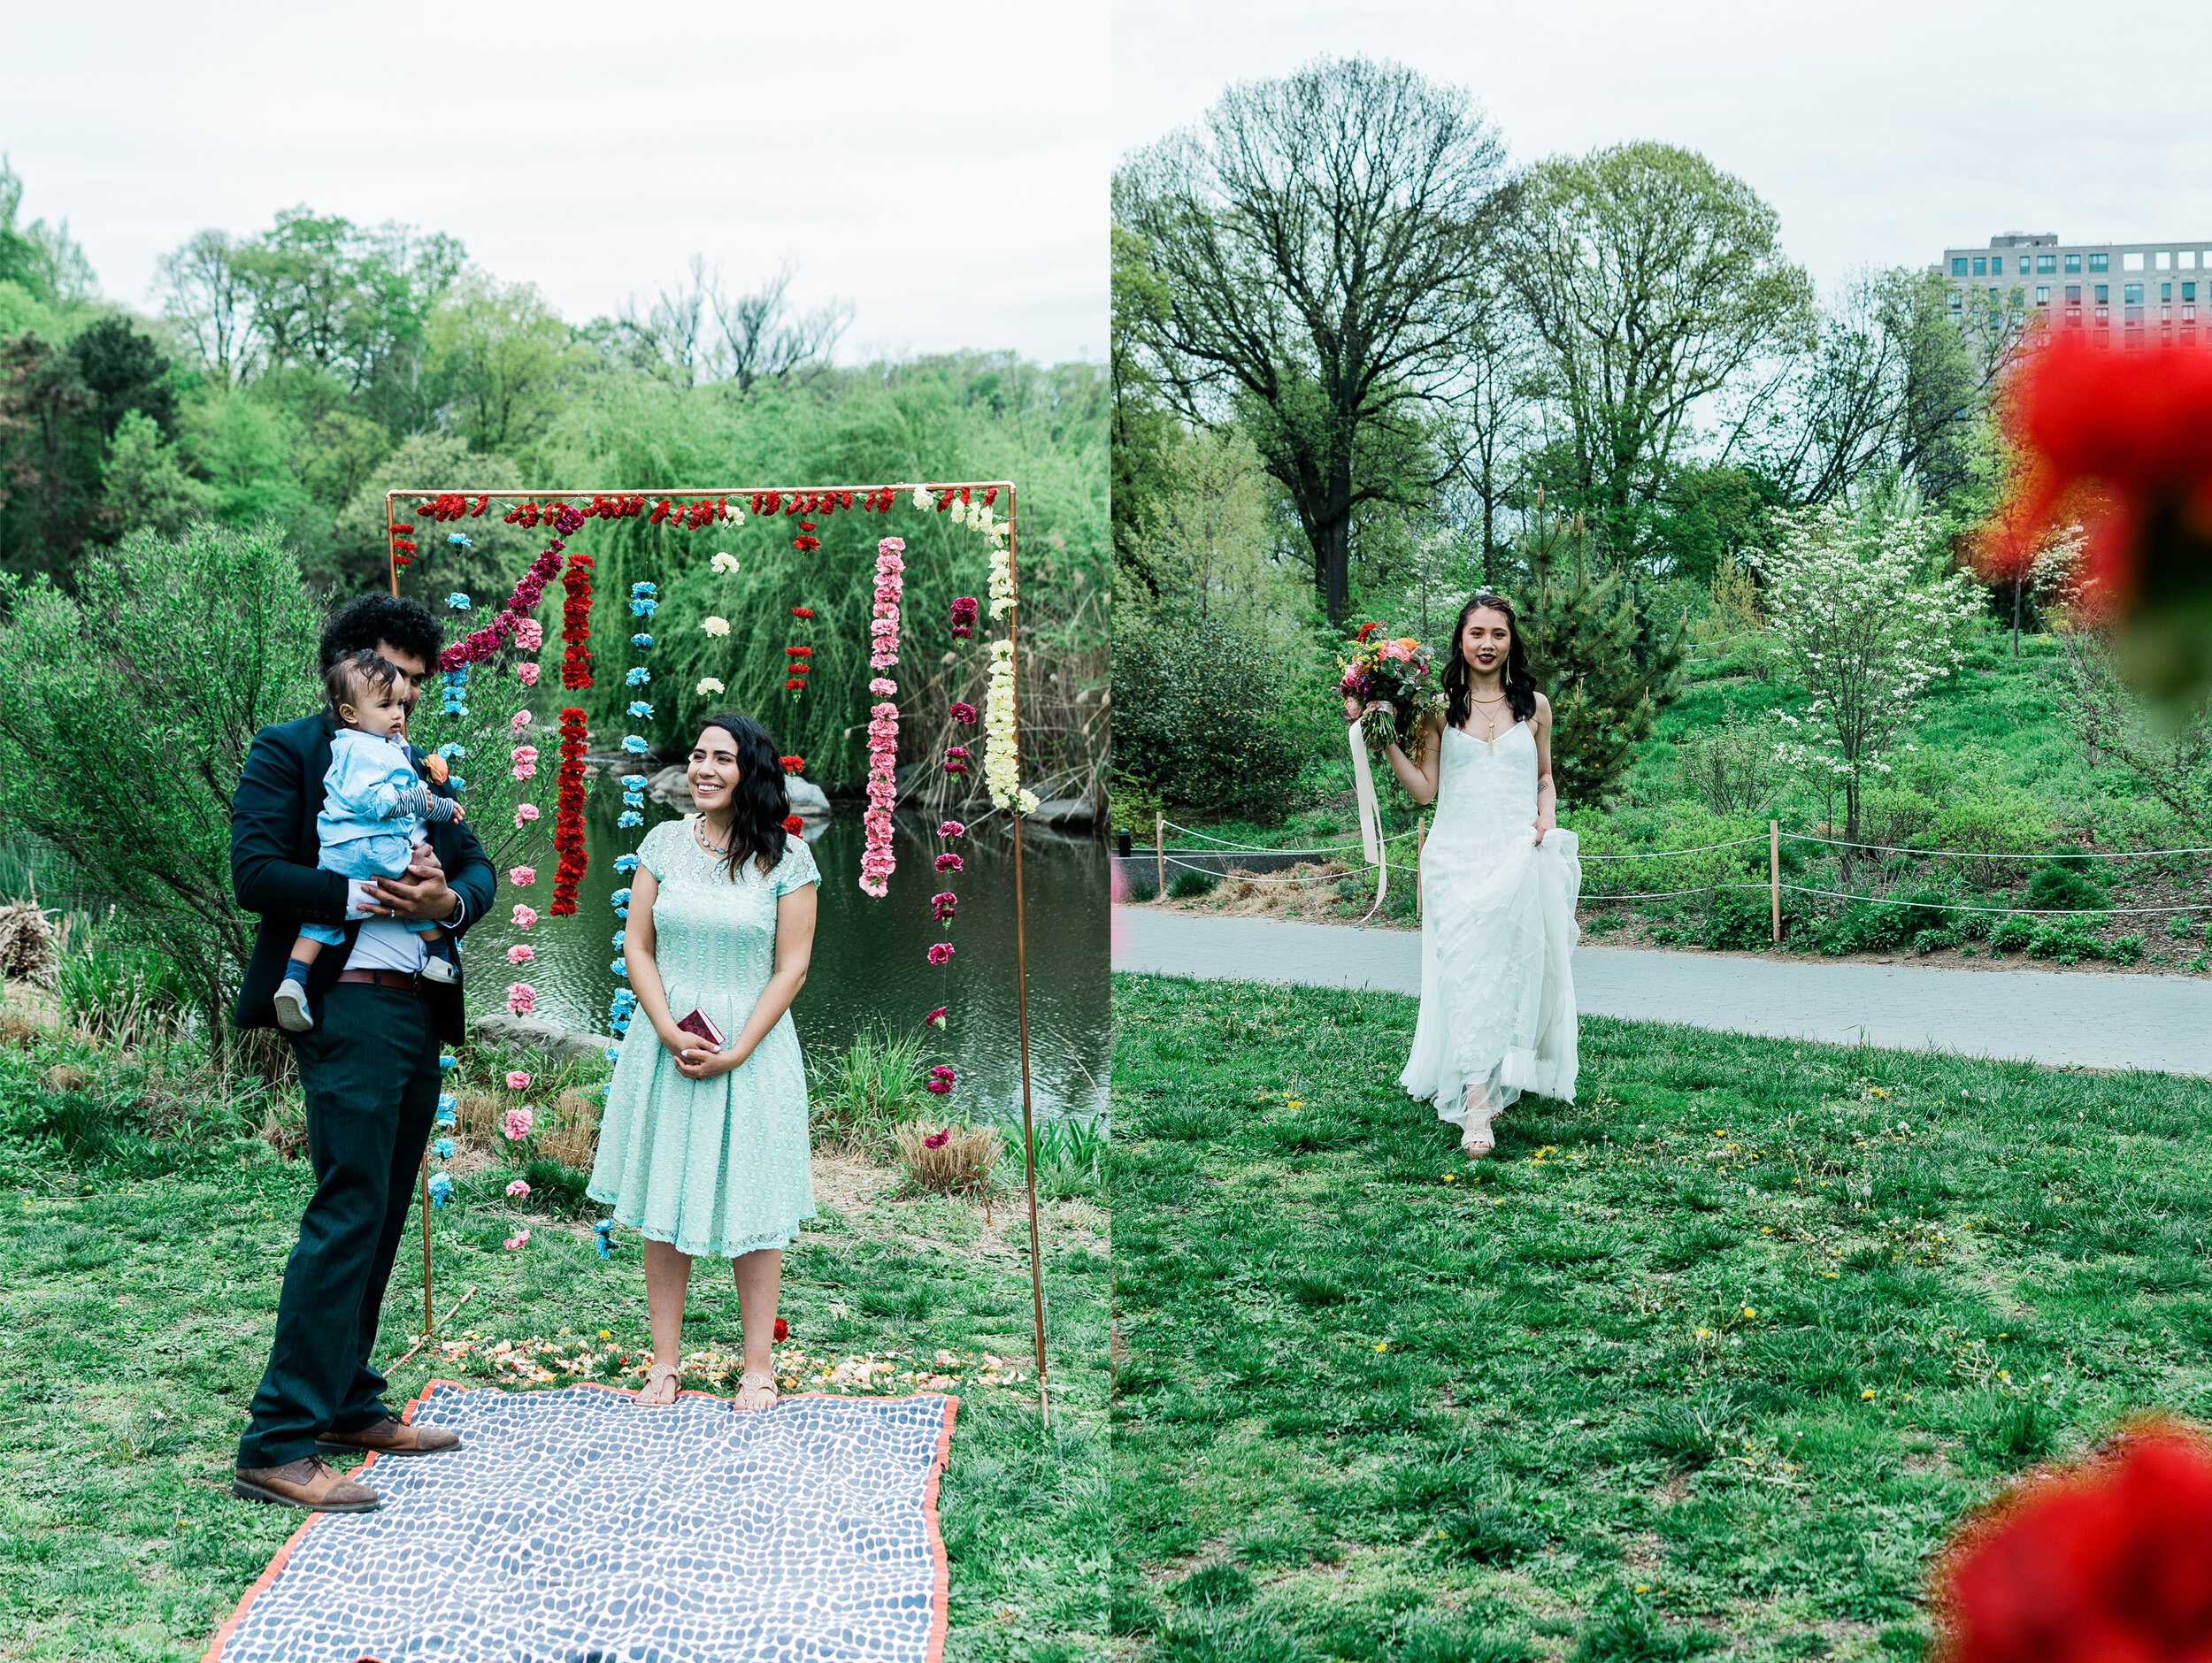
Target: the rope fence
(1773, 886)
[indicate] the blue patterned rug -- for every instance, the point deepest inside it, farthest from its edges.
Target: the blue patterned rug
(575, 1527)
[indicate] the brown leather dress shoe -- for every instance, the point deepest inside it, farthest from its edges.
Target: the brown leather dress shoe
(391, 1435)
(310, 1481)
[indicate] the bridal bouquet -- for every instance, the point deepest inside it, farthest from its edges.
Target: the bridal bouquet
(1397, 672)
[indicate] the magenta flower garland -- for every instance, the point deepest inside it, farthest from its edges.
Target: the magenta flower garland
(481, 644)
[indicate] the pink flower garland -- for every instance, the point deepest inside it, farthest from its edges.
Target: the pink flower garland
(875, 860)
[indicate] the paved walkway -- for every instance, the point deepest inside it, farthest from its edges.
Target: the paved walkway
(2099, 1021)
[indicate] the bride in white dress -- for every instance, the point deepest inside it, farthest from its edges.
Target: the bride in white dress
(1499, 882)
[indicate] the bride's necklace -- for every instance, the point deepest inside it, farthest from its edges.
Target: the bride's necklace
(699, 836)
(1492, 733)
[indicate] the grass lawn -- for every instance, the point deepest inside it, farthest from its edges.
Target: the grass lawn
(138, 1284)
(1709, 1362)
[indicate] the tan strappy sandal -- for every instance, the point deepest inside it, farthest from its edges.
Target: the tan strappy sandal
(652, 1377)
(1477, 1139)
(750, 1385)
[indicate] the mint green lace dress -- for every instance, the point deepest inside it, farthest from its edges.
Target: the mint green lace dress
(714, 1166)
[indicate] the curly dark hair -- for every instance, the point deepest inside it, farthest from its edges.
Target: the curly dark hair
(1520, 687)
(359, 625)
(760, 804)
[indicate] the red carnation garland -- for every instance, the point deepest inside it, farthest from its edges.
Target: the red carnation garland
(798, 659)
(576, 623)
(568, 816)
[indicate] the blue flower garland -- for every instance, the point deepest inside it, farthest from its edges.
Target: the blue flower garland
(644, 601)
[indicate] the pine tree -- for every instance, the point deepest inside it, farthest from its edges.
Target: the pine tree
(1604, 665)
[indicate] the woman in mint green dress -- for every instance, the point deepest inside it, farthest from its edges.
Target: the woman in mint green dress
(705, 1151)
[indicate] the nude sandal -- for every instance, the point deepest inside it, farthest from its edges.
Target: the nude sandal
(652, 1375)
(754, 1381)
(1478, 1139)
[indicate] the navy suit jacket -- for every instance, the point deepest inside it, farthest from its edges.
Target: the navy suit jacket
(273, 844)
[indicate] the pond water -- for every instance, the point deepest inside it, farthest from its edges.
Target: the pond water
(870, 966)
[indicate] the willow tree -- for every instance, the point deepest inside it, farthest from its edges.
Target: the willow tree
(1314, 246)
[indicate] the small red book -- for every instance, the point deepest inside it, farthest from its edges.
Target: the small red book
(699, 1022)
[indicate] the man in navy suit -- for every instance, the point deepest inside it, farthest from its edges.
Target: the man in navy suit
(368, 1074)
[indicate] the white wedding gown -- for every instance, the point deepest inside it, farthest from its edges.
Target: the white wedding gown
(1497, 928)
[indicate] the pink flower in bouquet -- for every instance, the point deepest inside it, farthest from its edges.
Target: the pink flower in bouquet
(942, 954)
(1402, 649)
(519, 720)
(529, 635)
(528, 671)
(518, 1189)
(518, 1126)
(521, 997)
(948, 863)
(525, 813)
(520, 954)
(938, 1139)
(524, 917)
(522, 877)
(516, 1080)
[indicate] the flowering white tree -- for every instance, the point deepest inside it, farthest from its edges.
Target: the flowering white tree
(1864, 628)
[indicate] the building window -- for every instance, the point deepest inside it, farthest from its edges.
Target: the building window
(2188, 313)
(2131, 262)
(2131, 294)
(2188, 291)
(2042, 294)
(2100, 262)
(2073, 262)
(1997, 264)
(2165, 314)
(2104, 317)
(2047, 263)
(1957, 300)
(1958, 265)
(2073, 293)
(2073, 316)
(2165, 291)
(2132, 316)
(2104, 292)
(1981, 265)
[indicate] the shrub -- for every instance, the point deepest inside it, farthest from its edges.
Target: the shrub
(2124, 949)
(1200, 713)
(1189, 885)
(126, 713)
(2067, 943)
(2066, 884)
(2012, 933)
(1863, 927)
(1730, 767)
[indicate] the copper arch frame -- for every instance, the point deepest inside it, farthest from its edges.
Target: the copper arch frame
(1021, 965)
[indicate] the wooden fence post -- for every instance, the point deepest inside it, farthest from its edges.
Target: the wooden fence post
(1774, 875)
(1159, 851)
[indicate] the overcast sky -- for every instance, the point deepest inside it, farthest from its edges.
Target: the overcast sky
(942, 167)
(1880, 132)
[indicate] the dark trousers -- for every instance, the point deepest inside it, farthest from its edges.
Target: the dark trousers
(369, 1073)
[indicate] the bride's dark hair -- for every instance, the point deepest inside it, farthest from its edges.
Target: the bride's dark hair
(758, 805)
(1520, 688)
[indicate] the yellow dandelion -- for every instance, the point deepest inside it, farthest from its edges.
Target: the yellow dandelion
(1865, 1395)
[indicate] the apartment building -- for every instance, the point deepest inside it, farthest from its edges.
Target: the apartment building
(2134, 293)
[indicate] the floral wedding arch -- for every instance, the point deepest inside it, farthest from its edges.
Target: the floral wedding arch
(514, 632)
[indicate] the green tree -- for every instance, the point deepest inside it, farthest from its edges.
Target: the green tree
(1315, 252)
(1143, 427)
(144, 484)
(1603, 664)
(508, 359)
(42, 260)
(49, 457)
(1653, 280)
(126, 714)
(1204, 715)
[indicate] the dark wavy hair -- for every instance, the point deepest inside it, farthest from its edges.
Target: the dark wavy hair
(760, 804)
(405, 623)
(352, 678)
(1520, 687)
